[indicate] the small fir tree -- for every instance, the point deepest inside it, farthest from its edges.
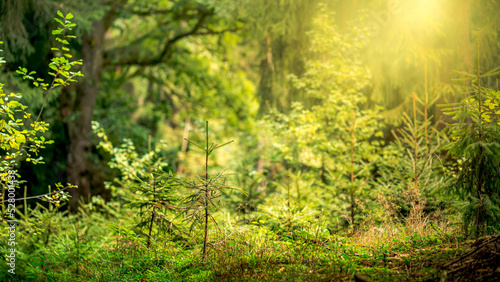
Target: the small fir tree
(200, 203)
(475, 143)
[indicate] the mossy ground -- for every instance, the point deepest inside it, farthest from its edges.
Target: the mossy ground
(253, 254)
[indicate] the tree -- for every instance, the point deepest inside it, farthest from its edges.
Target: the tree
(277, 30)
(335, 136)
(476, 145)
(410, 170)
(143, 184)
(204, 191)
(159, 31)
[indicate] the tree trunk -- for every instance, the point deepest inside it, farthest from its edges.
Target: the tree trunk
(79, 127)
(265, 90)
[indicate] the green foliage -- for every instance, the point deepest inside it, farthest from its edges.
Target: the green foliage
(134, 169)
(87, 251)
(15, 133)
(155, 193)
(142, 183)
(42, 223)
(154, 199)
(411, 169)
(310, 174)
(21, 140)
(20, 136)
(336, 138)
(18, 130)
(335, 64)
(276, 39)
(60, 66)
(476, 145)
(285, 216)
(201, 201)
(249, 176)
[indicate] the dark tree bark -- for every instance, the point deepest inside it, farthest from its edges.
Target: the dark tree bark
(79, 128)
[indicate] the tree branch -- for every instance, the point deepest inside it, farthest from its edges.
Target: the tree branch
(216, 32)
(151, 12)
(40, 196)
(167, 47)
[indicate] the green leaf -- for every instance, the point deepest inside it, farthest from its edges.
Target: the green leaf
(60, 14)
(20, 139)
(59, 21)
(69, 16)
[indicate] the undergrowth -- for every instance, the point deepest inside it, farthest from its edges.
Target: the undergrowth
(88, 251)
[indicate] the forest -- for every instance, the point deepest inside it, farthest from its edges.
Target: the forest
(250, 140)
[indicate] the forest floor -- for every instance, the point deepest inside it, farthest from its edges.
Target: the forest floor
(260, 255)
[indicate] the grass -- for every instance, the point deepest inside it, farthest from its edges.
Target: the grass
(243, 254)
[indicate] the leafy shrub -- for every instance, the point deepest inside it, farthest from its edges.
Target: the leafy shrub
(20, 136)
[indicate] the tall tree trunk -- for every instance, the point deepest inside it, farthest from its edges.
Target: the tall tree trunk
(86, 95)
(265, 90)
